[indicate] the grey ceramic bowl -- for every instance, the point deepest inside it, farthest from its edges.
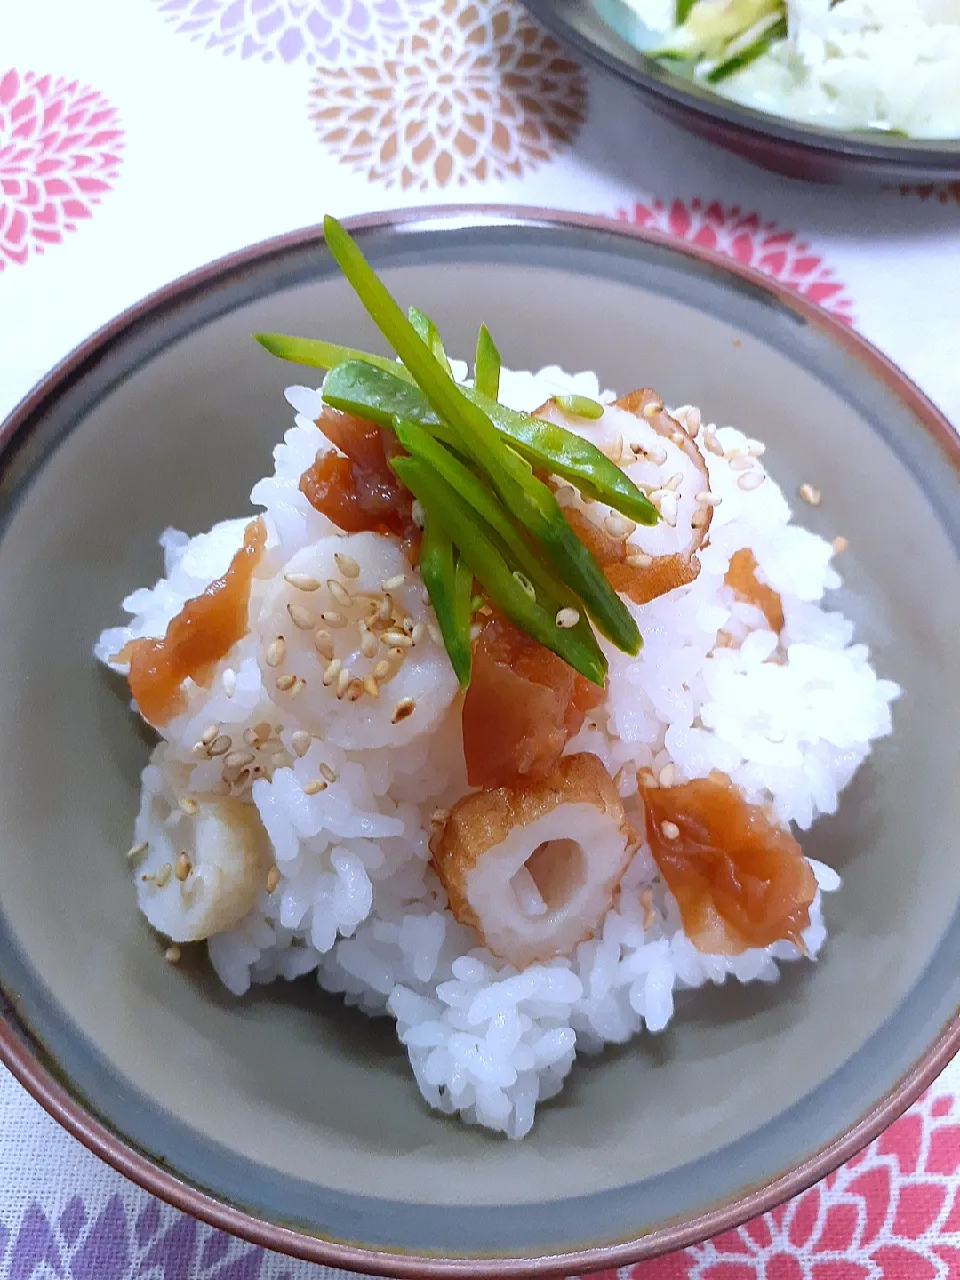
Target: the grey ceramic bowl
(609, 33)
(292, 1121)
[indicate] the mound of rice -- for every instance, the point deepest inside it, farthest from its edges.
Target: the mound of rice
(354, 898)
(853, 64)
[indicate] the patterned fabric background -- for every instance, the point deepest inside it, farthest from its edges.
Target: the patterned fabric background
(141, 138)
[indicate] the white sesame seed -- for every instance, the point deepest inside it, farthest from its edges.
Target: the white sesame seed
(440, 816)
(229, 681)
(163, 875)
(397, 580)
(333, 619)
(136, 852)
(239, 759)
(567, 618)
(273, 878)
(618, 526)
(370, 685)
(314, 787)
(677, 437)
(182, 868)
(347, 565)
(651, 410)
(524, 583)
(302, 581)
(323, 643)
(381, 669)
(669, 830)
(331, 671)
(673, 484)
(407, 626)
(647, 778)
(668, 508)
(434, 632)
(839, 544)
(339, 592)
(301, 618)
(396, 640)
(208, 735)
(385, 609)
(285, 683)
(740, 462)
(416, 513)
(639, 560)
(327, 772)
(711, 443)
(418, 632)
(809, 493)
(354, 690)
(251, 737)
(666, 775)
(189, 806)
(343, 680)
(368, 644)
(707, 499)
(403, 710)
(220, 746)
(172, 955)
(200, 751)
(692, 419)
(751, 480)
(756, 448)
(276, 652)
(475, 630)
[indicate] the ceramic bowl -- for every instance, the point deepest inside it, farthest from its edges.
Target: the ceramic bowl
(608, 33)
(290, 1120)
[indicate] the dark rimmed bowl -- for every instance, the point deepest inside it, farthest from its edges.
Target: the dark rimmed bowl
(774, 142)
(293, 1122)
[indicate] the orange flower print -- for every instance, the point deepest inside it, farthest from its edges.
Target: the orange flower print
(475, 91)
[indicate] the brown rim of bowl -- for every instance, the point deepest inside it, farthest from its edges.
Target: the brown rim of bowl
(24, 1058)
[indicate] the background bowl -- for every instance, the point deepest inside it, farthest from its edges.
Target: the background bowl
(296, 1123)
(602, 31)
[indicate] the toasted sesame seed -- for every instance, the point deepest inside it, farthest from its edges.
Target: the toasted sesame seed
(370, 685)
(314, 787)
(220, 746)
(567, 618)
(239, 759)
(368, 644)
(740, 462)
(651, 410)
(331, 672)
(183, 867)
(301, 742)
(208, 735)
(264, 730)
(669, 830)
(301, 618)
(809, 493)
(343, 679)
(301, 581)
(276, 652)
(163, 875)
(381, 669)
(347, 565)
(339, 592)
(418, 632)
(285, 683)
(677, 437)
(251, 737)
(751, 480)
(700, 518)
(666, 775)
(708, 499)
(403, 710)
(323, 643)
(839, 544)
(189, 805)
(172, 955)
(396, 640)
(136, 851)
(333, 619)
(639, 560)
(397, 580)
(327, 772)
(273, 878)
(354, 689)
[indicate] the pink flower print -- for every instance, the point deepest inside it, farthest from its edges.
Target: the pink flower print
(60, 151)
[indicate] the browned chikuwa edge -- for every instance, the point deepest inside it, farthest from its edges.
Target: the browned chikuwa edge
(25, 1060)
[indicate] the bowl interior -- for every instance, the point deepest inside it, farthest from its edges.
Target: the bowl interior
(283, 1102)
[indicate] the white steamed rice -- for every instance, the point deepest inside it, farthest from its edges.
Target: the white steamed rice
(357, 902)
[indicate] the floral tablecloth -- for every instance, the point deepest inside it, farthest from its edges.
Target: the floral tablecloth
(141, 138)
